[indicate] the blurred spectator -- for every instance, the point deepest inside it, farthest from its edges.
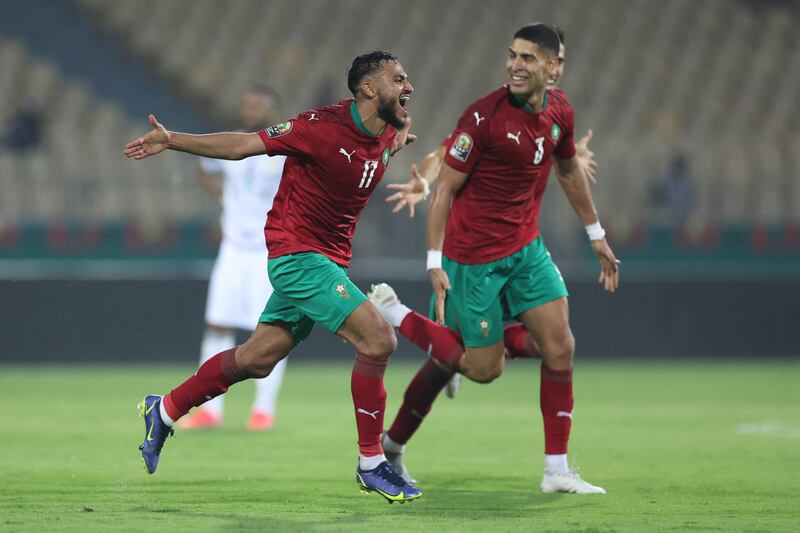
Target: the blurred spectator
(24, 131)
(673, 194)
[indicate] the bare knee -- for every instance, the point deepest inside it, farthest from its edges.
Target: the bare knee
(381, 344)
(482, 373)
(485, 375)
(259, 355)
(255, 361)
(559, 352)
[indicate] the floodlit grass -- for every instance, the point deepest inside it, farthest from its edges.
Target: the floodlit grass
(700, 446)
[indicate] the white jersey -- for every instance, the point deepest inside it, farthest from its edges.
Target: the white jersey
(248, 189)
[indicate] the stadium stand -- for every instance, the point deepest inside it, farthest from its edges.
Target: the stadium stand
(650, 81)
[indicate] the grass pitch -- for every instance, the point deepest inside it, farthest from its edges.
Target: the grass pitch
(698, 446)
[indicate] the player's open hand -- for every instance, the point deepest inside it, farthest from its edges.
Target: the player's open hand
(408, 194)
(441, 284)
(586, 157)
(609, 265)
(403, 137)
(154, 142)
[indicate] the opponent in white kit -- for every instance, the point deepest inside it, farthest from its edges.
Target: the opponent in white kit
(239, 284)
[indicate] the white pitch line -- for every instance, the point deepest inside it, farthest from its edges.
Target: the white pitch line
(771, 428)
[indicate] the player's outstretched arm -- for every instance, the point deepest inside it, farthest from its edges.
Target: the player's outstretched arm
(417, 189)
(448, 183)
(573, 181)
(217, 145)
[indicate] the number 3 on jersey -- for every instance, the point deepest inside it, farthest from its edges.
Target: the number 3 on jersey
(537, 157)
(369, 172)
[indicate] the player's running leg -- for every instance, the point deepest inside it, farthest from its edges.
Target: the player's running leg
(262, 415)
(209, 415)
(254, 359)
(518, 345)
(442, 343)
(375, 341)
(549, 325)
(448, 355)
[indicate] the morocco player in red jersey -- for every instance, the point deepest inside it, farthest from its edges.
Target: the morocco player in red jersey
(486, 254)
(336, 156)
(518, 343)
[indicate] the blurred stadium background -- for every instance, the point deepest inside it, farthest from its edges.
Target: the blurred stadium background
(693, 106)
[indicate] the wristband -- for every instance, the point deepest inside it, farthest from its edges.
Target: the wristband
(426, 189)
(434, 259)
(595, 231)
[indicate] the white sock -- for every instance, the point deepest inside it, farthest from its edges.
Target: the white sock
(395, 313)
(391, 446)
(267, 389)
(213, 343)
(555, 464)
(369, 463)
(163, 412)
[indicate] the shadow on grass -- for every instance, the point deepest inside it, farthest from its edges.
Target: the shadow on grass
(471, 503)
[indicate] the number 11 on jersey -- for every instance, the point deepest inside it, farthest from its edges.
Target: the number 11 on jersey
(369, 172)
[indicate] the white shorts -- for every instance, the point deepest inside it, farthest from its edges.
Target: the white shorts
(238, 289)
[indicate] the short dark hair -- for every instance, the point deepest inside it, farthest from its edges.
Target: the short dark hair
(541, 34)
(365, 64)
(560, 33)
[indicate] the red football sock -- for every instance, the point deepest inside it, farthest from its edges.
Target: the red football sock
(369, 399)
(440, 342)
(519, 343)
(417, 402)
(211, 379)
(556, 401)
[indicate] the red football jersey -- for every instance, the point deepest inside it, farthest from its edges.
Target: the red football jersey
(332, 167)
(507, 151)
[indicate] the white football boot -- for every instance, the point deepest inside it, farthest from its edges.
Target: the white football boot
(568, 481)
(385, 299)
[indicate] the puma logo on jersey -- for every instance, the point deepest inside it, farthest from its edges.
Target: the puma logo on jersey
(564, 414)
(373, 414)
(344, 153)
(514, 137)
(313, 117)
(478, 118)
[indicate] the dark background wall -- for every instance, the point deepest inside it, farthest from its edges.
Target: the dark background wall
(131, 321)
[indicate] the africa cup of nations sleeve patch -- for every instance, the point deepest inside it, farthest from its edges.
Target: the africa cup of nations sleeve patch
(279, 129)
(461, 147)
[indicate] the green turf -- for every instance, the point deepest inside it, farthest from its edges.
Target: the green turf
(708, 446)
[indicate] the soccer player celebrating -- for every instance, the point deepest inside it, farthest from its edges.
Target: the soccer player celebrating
(238, 287)
(517, 341)
(336, 156)
(486, 254)
(418, 188)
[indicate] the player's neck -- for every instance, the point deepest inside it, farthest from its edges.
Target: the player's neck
(365, 115)
(534, 102)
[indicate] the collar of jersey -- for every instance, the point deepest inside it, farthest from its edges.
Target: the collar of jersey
(357, 119)
(527, 107)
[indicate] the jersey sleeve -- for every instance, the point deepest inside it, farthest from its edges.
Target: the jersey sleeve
(468, 140)
(211, 166)
(565, 147)
(295, 137)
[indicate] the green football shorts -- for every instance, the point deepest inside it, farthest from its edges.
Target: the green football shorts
(309, 288)
(483, 295)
